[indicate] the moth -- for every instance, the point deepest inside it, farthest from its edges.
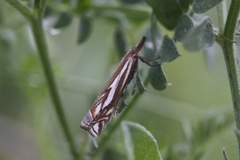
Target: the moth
(105, 106)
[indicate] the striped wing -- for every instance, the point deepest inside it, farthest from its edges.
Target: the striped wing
(106, 103)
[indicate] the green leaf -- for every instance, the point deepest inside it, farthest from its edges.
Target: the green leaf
(63, 20)
(201, 6)
(200, 36)
(139, 142)
(213, 123)
(185, 4)
(121, 104)
(167, 12)
(84, 29)
(157, 78)
(120, 42)
(168, 51)
(140, 86)
(183, 27)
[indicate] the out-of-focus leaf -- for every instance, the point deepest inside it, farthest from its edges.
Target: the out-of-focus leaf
(48, 11)
(210, 55)
(167, 12)
(130, 1)
(154, 39)
(157, 78)
(113, 17)
(211, 124)
(191, 148)
(6, 39)
(185, 4)
(140, 16)
(168, 51)
(201, 6)
(83, 5)
(31, 71)
(169, 154)
(93, 144)
(84, 29)
(1, 16)
(139, 142)
(63, 20)
(148, 50)
(12, 98)
(120, 42)
(155, 35)
(184, 25)
(113, 154)
(200, 36)
(123, 14)
(66, 1)
(187, 130)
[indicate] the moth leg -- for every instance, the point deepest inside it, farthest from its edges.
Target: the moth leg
(149, 59)
(144, 60)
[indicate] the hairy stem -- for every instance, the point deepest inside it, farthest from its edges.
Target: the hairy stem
(232, 60)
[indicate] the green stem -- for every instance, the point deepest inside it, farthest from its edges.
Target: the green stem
(20, 8)
(232, 60)
(43, 53)
(129, 11)
(35, 18)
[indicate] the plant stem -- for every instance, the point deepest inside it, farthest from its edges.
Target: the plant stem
(232, 60)
(35, 18)
(142, 13)
(43, 53)
(20, 8)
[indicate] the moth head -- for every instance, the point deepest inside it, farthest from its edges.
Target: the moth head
(139, 46)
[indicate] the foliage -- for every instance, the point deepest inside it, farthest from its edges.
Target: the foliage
(166, 24)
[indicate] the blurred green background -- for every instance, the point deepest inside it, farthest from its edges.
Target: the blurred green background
(29, 128)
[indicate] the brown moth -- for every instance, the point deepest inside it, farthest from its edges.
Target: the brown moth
(105, 106)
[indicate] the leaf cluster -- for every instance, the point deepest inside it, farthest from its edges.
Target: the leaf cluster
(184, 25)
